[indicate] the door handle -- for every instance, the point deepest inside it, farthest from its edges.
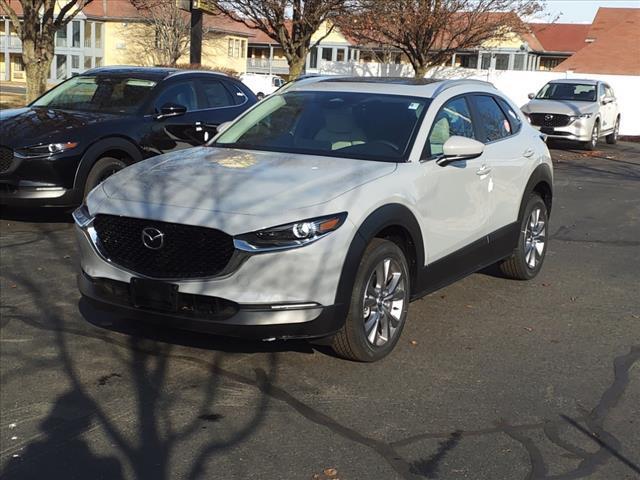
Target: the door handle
(483, 170)
(528, 152)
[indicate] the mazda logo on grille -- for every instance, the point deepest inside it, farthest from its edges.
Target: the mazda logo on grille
(152, 238)
(548, 117)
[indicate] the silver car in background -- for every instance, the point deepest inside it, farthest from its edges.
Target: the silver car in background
(577, 110)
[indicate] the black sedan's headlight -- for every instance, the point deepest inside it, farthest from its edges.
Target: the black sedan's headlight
(291, 235)
(45, 150)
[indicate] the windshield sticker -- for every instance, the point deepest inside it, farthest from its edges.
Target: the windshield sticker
(414, 106)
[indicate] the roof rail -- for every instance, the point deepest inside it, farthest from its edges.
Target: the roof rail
(446, 84)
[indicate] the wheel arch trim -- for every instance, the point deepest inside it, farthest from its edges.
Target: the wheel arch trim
(541, 177)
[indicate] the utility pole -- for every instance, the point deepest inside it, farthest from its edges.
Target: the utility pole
(195, 43)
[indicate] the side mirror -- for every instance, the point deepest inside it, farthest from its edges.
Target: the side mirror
(459, 148)
(531, 96)
(171, 110)
(223, 126)
(607, 100)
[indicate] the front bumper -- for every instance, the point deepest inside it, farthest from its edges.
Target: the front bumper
(578, 130)
(26, 194)
(216, 316)
(282, 294)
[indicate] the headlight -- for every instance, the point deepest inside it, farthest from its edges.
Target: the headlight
(37, 151)
(583, 116)
(82, 217)
(291, 235)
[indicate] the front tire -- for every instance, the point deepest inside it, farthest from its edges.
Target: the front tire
(103, 168)
(612, 138)
(528, 256)
(595, 135)
(379, 304)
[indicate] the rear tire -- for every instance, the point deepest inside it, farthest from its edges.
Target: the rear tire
(101, 170)
(612, 138)
(595, 136)
(379, 304)
(528, 256)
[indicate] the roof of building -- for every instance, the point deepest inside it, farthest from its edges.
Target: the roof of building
(123, 10)
(560, 37)
(613, 44)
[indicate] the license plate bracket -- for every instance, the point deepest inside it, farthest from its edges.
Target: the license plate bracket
(154, 295)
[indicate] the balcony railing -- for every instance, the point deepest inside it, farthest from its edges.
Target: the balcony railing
(265, 65)
(12, 40)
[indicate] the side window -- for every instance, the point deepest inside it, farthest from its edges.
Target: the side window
(494, 121)
(183, 93)
(453, 118)
(601, 92)
(512, 116)
(238, 95)
(609, 91)
(215, 95)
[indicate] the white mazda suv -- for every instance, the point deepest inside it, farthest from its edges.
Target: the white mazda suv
(322, 212)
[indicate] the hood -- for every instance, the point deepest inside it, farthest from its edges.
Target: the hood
(239, 181)
(32, 125)
(560, 107)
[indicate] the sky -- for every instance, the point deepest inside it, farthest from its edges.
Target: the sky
(583, 11)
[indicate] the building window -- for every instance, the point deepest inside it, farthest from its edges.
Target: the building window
(340, 55)
(61, 67)
(485, 63)
(327, 53)
(230, 48)
(502, 61)
(518, 61)
(236, 49)
(61, 37)
(87, 62)
(98, 27)
(242, 48)
(98, 61)
(313, 58)
(18, 64)
(75, 61)
(87, 34)
(75, 34)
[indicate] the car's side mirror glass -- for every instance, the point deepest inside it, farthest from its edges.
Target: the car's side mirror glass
(171, 110)
(531, 96)
(459, 148)
(607, 100)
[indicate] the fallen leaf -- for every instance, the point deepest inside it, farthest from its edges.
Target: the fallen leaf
(67, 256)
(573, 299)
(13, 285)
(443, 296)
(330, 472)
(413, 342)
(528, 329)
(468, 306)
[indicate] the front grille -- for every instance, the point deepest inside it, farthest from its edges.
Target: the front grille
(187, 251)
(6, 159)
(549, 119)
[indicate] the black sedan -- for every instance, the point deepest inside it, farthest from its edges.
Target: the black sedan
(54, 151)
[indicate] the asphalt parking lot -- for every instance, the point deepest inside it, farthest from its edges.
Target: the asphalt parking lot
(492, 379)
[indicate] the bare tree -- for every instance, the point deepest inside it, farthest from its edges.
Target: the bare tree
(291, 23)
(428, 32)
(166, 36)
(41, 20)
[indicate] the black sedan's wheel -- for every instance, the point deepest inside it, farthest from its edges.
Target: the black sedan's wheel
(379, 304)
(526, 260)
(103, 169)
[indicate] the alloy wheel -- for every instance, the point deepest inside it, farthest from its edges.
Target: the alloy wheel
(383, 302)
(534, 238)
(594, 135)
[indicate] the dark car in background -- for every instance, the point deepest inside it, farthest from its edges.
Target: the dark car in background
(54, 151)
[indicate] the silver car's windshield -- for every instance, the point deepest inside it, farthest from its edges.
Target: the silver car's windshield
(577, 92)
(341, 124)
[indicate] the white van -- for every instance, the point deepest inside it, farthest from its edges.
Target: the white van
(262, 84)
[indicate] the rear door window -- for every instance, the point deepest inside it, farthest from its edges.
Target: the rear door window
(215, 94)
(512, 116)
(495, 124)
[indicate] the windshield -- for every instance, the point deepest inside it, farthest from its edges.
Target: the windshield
(98, 94)
(354, 125)
(568, 91)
